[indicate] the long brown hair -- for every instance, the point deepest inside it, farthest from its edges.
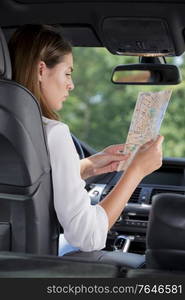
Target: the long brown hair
(29, 45)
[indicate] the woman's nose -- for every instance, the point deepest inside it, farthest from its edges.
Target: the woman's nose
(71, 85)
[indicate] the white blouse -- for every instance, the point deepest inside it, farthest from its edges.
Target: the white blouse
(85, 225)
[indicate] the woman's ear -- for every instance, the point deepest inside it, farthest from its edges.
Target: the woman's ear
(42, 69)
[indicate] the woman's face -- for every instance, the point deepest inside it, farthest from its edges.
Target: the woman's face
(56, 82)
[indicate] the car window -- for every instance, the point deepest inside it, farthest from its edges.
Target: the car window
(99, 112)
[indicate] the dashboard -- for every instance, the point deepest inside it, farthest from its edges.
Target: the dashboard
(129, 232)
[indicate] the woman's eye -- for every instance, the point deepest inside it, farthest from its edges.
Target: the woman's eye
(68, 74)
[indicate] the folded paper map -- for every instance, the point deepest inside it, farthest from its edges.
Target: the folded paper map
(146, 121)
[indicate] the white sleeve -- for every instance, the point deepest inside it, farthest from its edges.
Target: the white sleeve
(85, 225)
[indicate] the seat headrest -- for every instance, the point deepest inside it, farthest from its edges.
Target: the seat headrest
(166, 228)
(5, 64)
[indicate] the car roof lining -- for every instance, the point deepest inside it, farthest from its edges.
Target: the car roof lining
(82, 20)
(80, 36)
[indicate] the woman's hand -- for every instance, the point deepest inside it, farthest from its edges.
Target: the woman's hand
(149, 157)
(103, 162)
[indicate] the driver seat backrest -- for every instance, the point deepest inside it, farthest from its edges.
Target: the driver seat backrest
(28, 222)
(166, 233)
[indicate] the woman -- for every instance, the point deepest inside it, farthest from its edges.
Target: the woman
(42, 61)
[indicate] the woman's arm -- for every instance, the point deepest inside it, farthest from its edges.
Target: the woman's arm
(102, 162)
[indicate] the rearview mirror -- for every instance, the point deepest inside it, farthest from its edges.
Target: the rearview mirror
(146, 74)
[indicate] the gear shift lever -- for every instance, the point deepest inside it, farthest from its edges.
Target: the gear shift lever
(122, 242)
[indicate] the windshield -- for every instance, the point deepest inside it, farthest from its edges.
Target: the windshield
(99, 112)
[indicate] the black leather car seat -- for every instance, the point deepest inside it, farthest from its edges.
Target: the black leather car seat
(166, 233)
(28, 222)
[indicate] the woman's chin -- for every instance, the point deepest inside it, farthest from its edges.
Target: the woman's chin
(60, 106)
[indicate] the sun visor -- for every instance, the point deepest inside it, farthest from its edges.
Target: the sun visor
(137, 36)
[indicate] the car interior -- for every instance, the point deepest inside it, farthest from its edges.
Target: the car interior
(153, 221)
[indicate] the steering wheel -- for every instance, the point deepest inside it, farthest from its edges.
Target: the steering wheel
(78, 146)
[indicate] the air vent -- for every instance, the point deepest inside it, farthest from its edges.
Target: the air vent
(135, 196)
(160, 191)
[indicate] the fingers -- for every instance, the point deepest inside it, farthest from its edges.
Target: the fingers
(118, 157)
(159, 141)
(157, 144)
(146, 145)
(115, 148)
(113, 166)
(157, 150)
